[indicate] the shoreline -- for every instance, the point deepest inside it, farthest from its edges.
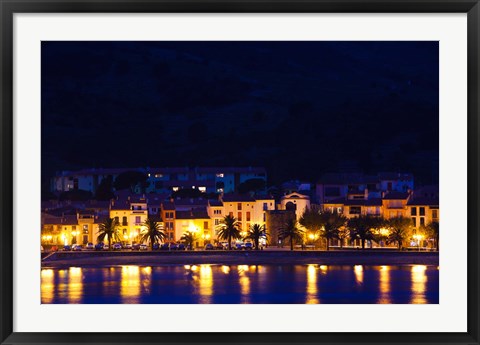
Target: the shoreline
(110, 259)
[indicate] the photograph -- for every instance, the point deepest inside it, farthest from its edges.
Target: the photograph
(239, 172)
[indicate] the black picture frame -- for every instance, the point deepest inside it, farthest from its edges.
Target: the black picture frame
(9, 8)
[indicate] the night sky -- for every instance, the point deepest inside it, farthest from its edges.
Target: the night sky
(298, 108)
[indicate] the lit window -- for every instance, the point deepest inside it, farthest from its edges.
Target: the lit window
(158, 175)
(202, 189)
(220, 175)
(175, 189)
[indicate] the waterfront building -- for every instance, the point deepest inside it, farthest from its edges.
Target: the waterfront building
(295, 202)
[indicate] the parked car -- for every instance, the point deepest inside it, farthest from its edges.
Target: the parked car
(181, 246)
(136, 246)
(67, 248)
(239, 246)
(117, 246)
(209, 246)
(173, 246)
(224, 244)
(143, 246)
(128, 246)
(156, 246)
(99, 246)
(219, 246)
(164, 246)
(248, 246)
(105, 247)
(77, 247)
(54, 249)
(89, 246)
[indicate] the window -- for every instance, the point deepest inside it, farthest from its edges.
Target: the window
(248, 216)
(117, 220)
(158, 175)
(138, 219)
(205, 225)
(230, 214)
(85, 229)
(202, 189)
(435, 214)
(422, 211)
(217, 221)
(239, 206)
(239, 218)
(413, 211)
(175, 189)
(265, 206)
(220, 175)
(422, 221)
(124, 232)
(124, 221)
(85, 239)
(264, 217)
(414, 222)
(355, 210)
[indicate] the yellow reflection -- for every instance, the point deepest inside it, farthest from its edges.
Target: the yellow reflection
(323, 268)
(312, 289)
(226, 269)
(384, 285)
(242, 268)
(206, 283)
(187, 267)
(194, 268)
(419, 281)
(358, 269)
(47, 285)
(75, 285)
(130, 284)
(146, 279)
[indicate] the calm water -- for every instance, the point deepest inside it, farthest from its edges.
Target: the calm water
(242, 284)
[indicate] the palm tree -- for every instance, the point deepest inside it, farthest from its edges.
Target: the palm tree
(292, 232)
(361, 227)
(256, 232)
(229, 228)
(343, 233)
(399, 230)
(109, 229)
(331, 223)
(189, 238)
(152, 232)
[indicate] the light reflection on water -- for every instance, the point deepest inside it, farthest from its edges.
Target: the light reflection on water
(233, 284)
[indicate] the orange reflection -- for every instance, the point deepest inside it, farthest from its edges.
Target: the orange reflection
(358, 269)
(419, 281)
(75, 285)
(47, 285)
(206, 283)
(225, 269)
(130, 284)
(312, 289)
(384, 285)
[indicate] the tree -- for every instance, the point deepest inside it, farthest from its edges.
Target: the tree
(255, 233)
(109, 229)
(311, 220)
(362, 227)
(343, 234)
(252, 185)
(399, 230)
(104, 189)
(189, 238)
(331, 223)
(432, 230)
(229, 228)
(291, 231)
(129, 180)
(153, 232)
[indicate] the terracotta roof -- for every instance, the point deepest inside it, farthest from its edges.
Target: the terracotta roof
(392, 195)
(198, 213)
(421, 201)
(215, 203)
(237, 198)
(368, 202)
